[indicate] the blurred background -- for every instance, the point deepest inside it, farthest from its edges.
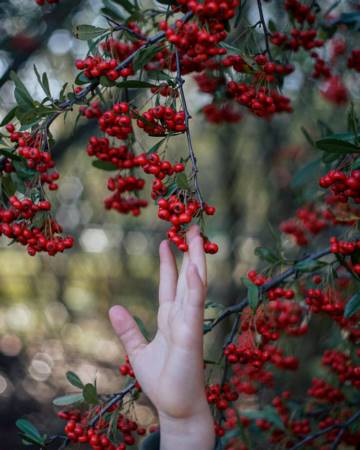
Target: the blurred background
(53, 310)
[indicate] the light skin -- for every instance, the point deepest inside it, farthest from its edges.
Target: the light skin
(170, 367)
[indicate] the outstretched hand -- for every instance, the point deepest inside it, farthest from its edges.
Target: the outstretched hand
(170, 367)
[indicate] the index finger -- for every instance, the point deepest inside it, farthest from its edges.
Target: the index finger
(196, 251)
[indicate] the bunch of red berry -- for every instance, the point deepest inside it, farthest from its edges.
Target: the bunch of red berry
(354, 60)
(162, 120)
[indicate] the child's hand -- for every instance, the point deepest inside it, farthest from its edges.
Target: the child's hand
(170, 368)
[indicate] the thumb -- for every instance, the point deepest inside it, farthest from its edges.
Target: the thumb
(126, 329)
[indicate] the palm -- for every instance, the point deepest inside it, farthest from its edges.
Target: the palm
(169, 368)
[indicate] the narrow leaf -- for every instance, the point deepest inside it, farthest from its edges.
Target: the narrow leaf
(74, 379)
(352, 306)
(88, 32)
(104, 165)
(70, 399)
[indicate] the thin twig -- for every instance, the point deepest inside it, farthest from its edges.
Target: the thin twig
(180, 82)
(266, 31)
(238, 307)
(342, 427)
(115, 399)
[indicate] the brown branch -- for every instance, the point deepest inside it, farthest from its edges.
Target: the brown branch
(180, 82)
(342, 428)
(238, 307)
(264, 27)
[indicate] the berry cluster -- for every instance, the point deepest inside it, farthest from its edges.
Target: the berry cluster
(97, 66)
(307, 220)
(196, 45)
(210, 10)
(16, 223)
(42, 2)
(117, 121)
(343, 187)
(223, 112)
(335, 91)
(162, 120)
(263, 102)
(125, 204)
(79, 430)
(306, 39)
(300, 11)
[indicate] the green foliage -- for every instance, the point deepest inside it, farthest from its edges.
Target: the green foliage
(252, 293)
(29, 433)
(74, 379)
(88, 32)
(352, 306)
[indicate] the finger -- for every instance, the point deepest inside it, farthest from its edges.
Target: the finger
(181, 286)
(196, 252)
(168, 273)
(126, 329)
(195, 299)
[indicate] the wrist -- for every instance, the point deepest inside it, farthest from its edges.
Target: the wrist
(194, 432)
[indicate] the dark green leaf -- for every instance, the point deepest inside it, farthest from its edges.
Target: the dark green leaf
(126, 4)
(8, 186)
(309, 265)
(70, 399)
(9, 117)
(29, 431)
(155, 147)
(267, 254)
(272, 26)
(46, 84)
(112, 11)
(146, 55)
(352, 306)
(88, 32)
(166, 2)
(333, 145)
(104, 81)
(307, 136)
(74, 379)
(142, 327)
(182, 181)
(23, 171)
(104, 165)
(269, 413)
(20, 90)
(253, 293)
(10, 154)
(90, 394)
(81, 79)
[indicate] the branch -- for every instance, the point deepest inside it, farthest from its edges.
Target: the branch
(266, 31)
(238, 307)
(342, 428)
(115, 399)
(180, 82)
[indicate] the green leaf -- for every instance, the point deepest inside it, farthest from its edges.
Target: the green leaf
(74, 379)
(104, 81)
(253, 293)
(104, 165)
(334, 145)
(67, 400)
(90, 394)
(155, 147)
(182, 181)
(307, 136)
(112, 11)
(267, 254)
(142, 327)
(146, 55)
(23, 171)
(81, 79)
(9, 116)
(29, 431)
(272, 26)
(88, 32)
(21, 93)
(309, 265)
(352, 306)
(126, 4)
(134, 84)
(268, 413)
(8, 186)
(166, 2)
(9, 154)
